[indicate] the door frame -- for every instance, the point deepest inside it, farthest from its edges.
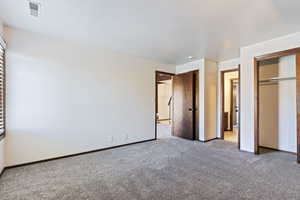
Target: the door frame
(256, 60)
(156, 97)
(232, 110)
(222, 103)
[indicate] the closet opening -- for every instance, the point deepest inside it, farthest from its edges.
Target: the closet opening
(277, 102)
(230, 106)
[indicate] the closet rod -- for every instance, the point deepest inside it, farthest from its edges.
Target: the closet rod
(277, 79)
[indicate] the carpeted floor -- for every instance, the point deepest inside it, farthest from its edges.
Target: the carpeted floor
(165, 169)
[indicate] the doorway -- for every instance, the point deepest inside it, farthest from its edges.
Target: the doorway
(164, 104)
(230, 106)
(176, 105)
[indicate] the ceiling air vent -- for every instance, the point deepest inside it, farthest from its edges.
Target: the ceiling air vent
(34, 8)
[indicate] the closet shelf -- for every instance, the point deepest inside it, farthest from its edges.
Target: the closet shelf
(276, 79)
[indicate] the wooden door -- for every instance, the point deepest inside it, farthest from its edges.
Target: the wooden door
(184, 112)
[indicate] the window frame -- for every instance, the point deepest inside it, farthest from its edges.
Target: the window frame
(3, 47)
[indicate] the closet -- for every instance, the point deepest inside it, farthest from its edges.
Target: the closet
(277, 107)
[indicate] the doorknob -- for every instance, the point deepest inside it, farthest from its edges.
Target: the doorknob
(191, 109)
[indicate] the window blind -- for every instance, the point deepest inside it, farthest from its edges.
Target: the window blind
(2, 91)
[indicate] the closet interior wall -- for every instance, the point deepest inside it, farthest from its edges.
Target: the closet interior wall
(277, 104)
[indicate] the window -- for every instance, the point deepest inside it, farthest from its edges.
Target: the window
(2, 92)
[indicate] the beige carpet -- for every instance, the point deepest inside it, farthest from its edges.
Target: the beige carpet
(165, 169)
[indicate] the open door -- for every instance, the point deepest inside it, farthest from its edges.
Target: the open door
(185, 105)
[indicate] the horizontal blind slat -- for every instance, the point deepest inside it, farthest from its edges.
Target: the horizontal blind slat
(2, 85)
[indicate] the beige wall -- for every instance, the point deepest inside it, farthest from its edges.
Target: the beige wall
(210, 95)
(65, 98)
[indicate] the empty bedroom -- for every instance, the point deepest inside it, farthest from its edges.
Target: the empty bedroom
(149, 100)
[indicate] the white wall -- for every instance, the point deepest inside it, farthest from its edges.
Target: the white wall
(65, 98)
(190, 66)
(224, 65)
(229, 64)
(277, 104)
(2, 160)
(247, 78)
(207, 95)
